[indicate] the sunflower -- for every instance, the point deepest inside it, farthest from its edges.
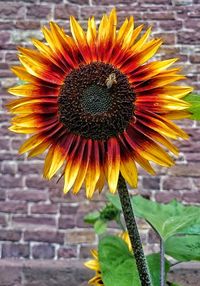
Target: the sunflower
(97, 104)
(94, 264)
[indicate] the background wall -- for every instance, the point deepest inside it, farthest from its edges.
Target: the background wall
(36, 220)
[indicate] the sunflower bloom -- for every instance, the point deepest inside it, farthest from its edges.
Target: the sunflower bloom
(97, 104)
(94, 264)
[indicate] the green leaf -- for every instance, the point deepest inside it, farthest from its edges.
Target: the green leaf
(91, 217)
(167, 219)
(100, 226)
(118, 266)
(114, 199)
(192, 229)
(183, 247)
(194, 100)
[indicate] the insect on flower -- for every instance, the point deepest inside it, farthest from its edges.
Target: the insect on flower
(111, 80)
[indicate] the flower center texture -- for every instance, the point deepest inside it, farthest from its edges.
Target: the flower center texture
(96, 101)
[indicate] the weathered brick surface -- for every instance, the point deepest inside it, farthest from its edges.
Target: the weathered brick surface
(43, 251)
(15, 250)
(37, 220)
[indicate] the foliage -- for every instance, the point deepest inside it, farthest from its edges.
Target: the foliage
(167, 219)
(177, 224)
(115, 259)
(194, 100)
(99, 219)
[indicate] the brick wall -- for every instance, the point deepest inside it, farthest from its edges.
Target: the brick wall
(36, 220)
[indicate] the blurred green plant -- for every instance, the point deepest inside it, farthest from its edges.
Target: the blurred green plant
(194, 100)
(177, 225)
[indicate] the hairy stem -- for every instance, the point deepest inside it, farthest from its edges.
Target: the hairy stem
(133, 233)
(162, 263)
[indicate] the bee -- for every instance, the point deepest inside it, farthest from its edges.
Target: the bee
(111, 79)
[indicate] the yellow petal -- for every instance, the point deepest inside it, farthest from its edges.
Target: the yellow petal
(138, 46)
(129, 171)
(93, 172)
(23, 74)
(177, 91)
(84, 167)
(113, 163)
(73, 165)
(31, 143)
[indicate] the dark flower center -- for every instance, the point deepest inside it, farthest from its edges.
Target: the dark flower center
(96, 101)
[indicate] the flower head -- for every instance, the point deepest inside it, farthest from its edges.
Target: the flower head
(96, 103)
(94, 264)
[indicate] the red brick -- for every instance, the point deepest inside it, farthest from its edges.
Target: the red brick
(191, 170)
(156, 2)
(6, 73)
(151, 183)
(36, 182)
(27, 25)
(9, 168)
(153, 237)
(193, 24)
(191, 197)
(168, 38)
(171, 25)
(4, 144)
(65, 11)
(196, 182)
(54, 1)
(161, 16)
(38, 11)
(29, 195)
(7, 181)
(8, 46)
(67, 252)
(194, 12)
(66, 222)
(4, 37)
(44, 209)
(174, 183)
(68, 209)
(192, 157)
(11, 57)
(107, 2)
(31, 220)
(11, 235)
(43, 251)
(86, 236)
(3, 220)
(195, 58)
(13, 11)
(166, 197)
(16, 143)
(93, 11)
(44, 236)
(2, 195)
(85, 251)
(13, 207)
(15, 250)
(30, 168)
(185, 37)
(8, 25)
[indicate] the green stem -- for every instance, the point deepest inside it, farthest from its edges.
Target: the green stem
(162, 263)
(133, 233)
